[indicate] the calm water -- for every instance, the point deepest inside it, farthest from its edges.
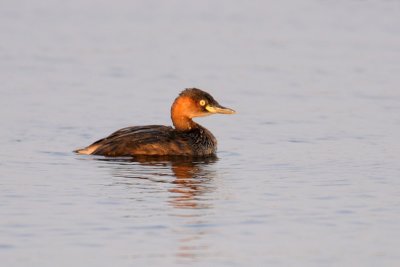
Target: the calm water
(307, 173)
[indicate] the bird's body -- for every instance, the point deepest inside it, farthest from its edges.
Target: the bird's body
(186, 139)
(146, 140)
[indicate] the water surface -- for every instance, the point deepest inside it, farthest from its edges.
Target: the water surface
(307, 172)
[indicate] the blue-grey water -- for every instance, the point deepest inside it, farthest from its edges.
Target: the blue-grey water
(308, 170)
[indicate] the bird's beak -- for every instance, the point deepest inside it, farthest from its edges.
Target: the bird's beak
(219, 109)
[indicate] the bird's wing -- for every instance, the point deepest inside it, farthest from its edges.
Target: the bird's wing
(149, 140)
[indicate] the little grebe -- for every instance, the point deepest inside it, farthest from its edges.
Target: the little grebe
(187, 139)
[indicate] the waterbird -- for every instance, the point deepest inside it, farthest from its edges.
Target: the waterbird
(186, 138)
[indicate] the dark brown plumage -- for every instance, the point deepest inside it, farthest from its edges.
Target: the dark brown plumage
(186, 139)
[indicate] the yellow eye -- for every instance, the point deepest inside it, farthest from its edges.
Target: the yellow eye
(202, 102)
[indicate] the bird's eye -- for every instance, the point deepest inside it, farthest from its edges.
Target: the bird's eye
(202, 102)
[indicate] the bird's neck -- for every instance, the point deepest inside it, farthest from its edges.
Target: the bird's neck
(179, 114)
(183, 123)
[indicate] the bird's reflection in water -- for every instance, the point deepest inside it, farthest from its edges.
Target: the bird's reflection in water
(193, 179)
(189, 181)
(192, 176)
